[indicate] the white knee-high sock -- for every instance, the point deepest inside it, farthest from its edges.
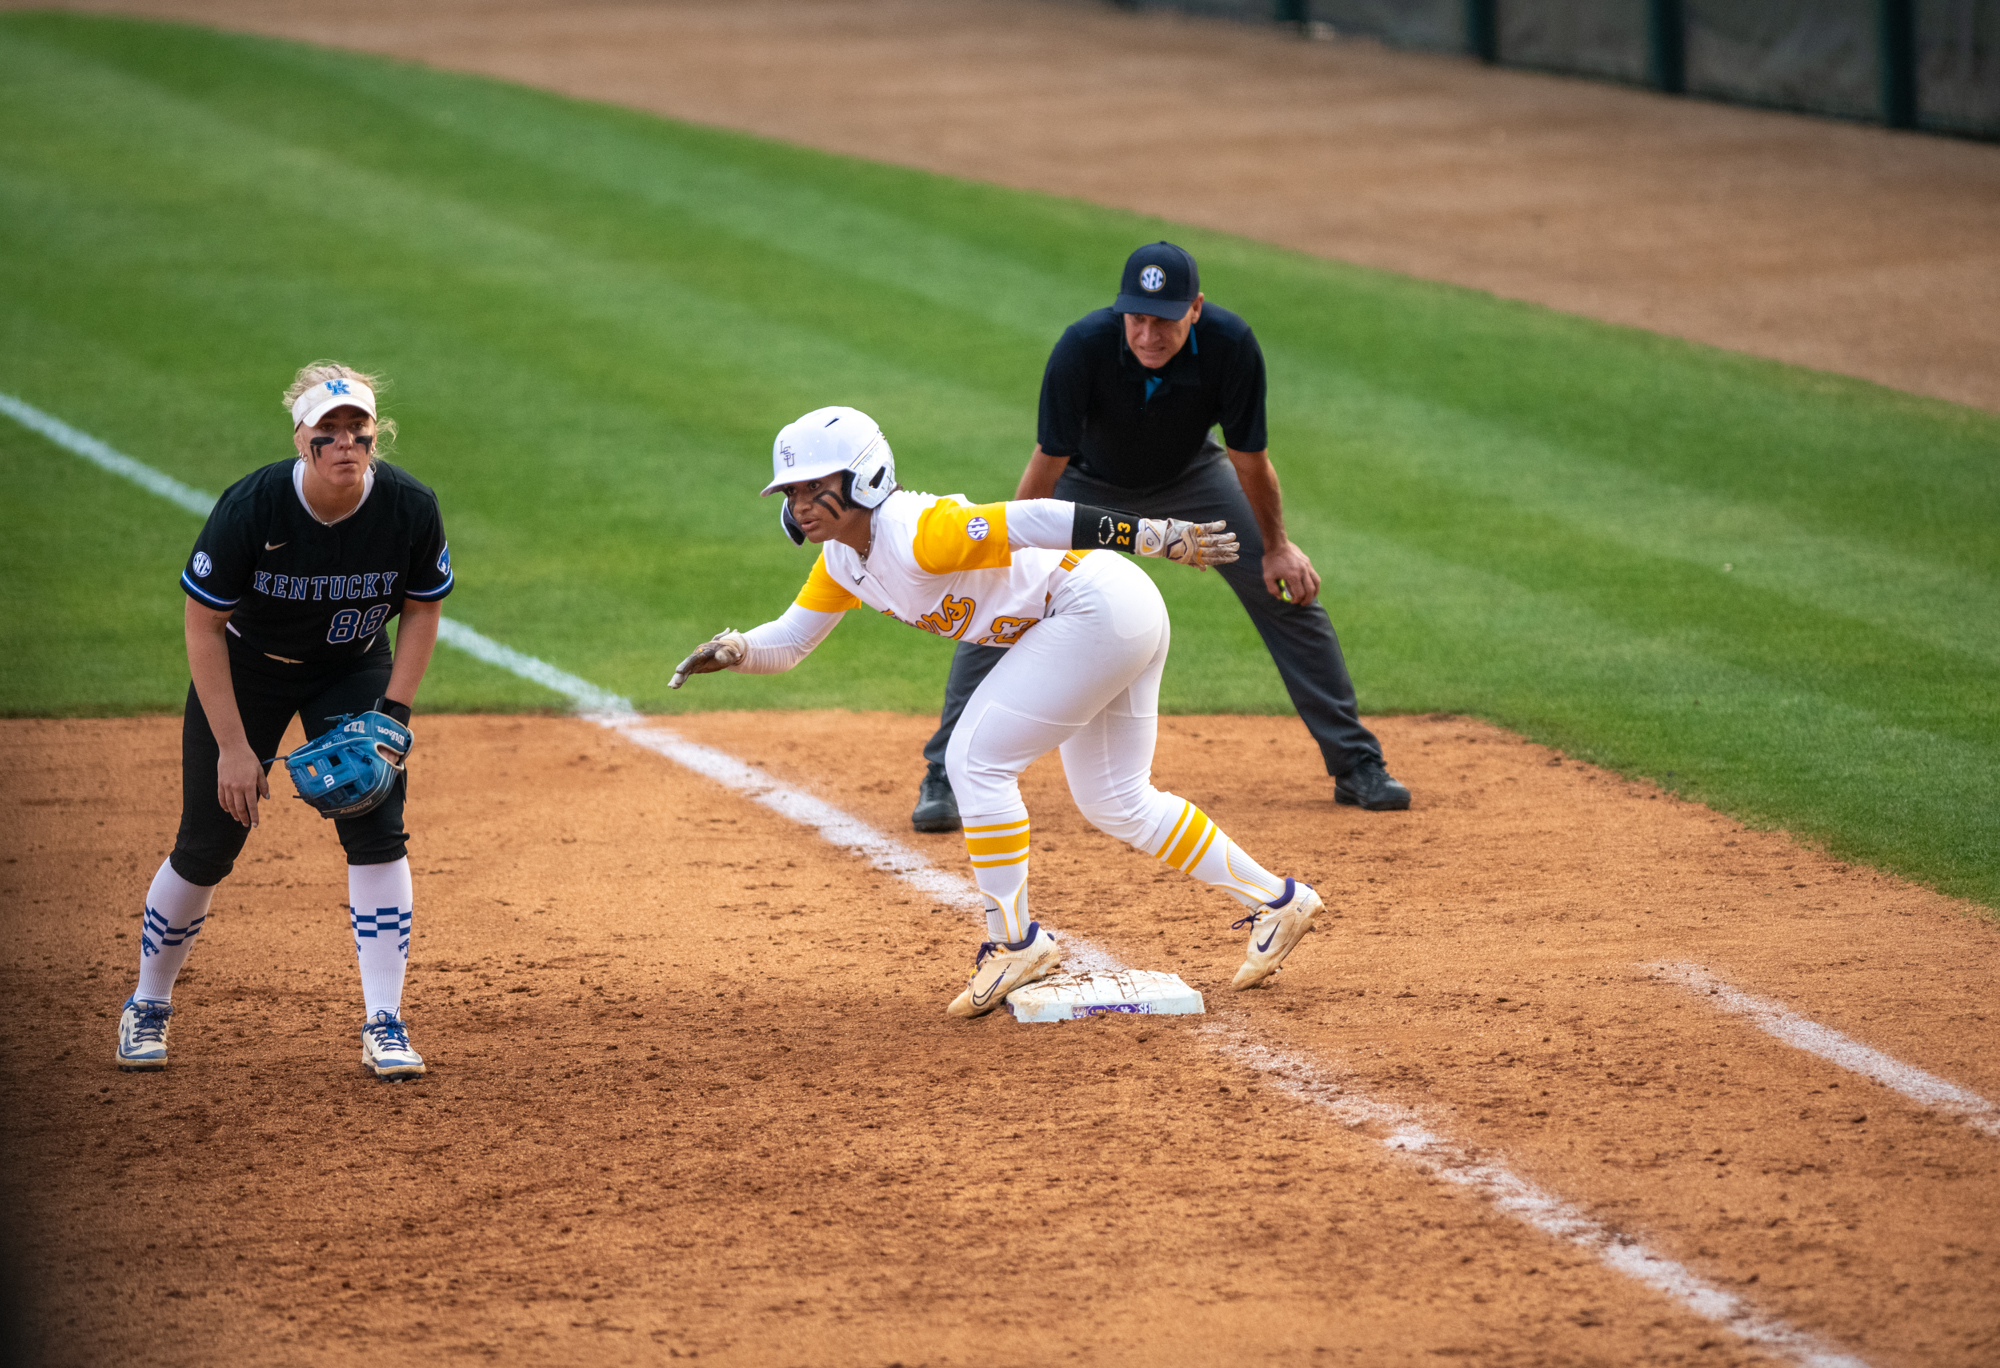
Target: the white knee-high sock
(1196, 846)
(379, 905)
(997, 844)
(175, 910)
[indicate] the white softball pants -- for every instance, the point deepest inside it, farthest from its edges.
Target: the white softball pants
(1085, 679)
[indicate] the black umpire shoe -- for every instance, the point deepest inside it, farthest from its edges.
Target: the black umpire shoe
(937, 805)
(1369, 786)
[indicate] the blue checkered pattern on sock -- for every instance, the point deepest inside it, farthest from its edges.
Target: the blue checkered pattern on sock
(157, 934)
(381, 922)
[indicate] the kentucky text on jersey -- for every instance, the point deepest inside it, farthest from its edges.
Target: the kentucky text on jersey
(328, 586)
(300, 590)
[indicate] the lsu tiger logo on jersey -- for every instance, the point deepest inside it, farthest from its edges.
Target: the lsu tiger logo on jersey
(952, 617)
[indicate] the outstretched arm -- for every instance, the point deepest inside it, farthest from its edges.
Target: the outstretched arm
(770, 649)
(1060, 525)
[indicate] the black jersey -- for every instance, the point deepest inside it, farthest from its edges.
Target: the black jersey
(298, 589)
(1141, 429)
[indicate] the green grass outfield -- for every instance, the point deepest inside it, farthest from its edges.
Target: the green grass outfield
(1773, 590)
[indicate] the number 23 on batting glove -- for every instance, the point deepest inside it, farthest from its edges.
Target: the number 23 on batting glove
(1186, 543)
(728, 647)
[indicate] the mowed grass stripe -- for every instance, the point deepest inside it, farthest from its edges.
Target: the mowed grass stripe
(596, 319)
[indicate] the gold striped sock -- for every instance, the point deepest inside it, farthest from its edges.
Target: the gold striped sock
(1188, 839)
(1200, 849)
(1003, 843)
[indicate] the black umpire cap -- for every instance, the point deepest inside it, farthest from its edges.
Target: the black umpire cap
(1160, 279)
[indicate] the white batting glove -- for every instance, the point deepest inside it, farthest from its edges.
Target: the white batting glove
(1197, 544)
(728, 647)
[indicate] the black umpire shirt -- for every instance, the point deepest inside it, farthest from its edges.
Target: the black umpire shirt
(1118, 422)
(300, 590)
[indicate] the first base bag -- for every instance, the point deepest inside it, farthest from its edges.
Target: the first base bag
(350, 768)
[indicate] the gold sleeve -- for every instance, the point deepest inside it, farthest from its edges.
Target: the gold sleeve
(952, 537)
(821, 594)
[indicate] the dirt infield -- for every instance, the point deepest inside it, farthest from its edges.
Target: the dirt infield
(1843, 247)
(694, 1092)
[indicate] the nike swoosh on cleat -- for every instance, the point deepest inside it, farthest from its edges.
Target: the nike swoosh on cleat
(1266, 946)
(273, 546)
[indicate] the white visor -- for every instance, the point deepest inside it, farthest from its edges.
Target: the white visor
(329, 395)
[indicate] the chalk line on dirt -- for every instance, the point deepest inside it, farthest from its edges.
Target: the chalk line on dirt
(1402, 1129)
(1406, 1129)
(1803, 1033)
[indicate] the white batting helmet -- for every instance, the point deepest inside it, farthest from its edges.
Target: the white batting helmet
(827, 441)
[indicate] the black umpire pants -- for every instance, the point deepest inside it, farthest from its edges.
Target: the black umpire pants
(269, 693)
(1301, 639)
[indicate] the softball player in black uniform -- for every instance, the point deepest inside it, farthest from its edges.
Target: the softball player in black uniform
(289, 594)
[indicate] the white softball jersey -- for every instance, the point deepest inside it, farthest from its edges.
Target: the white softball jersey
(1087, 682)
(984, 573)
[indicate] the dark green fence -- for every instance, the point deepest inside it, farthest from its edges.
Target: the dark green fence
(1932, 64)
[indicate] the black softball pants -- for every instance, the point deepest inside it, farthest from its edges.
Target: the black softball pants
(1301, 639)
(269, 694)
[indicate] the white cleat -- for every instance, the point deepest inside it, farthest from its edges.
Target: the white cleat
(386, 1051)
(1274, 929)
(998, 971)
(142, 1036)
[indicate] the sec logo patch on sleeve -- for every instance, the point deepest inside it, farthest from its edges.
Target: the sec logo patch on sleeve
(444, 559)
(977, 529)
(202, 564)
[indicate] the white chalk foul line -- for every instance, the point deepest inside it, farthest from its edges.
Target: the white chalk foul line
(1925, 1089)
(1406, 1129)
(102, 456)
(1402, 1129)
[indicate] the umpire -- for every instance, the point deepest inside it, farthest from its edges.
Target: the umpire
(1128, 400)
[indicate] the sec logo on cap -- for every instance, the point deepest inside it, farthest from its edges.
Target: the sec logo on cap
(1152, 279)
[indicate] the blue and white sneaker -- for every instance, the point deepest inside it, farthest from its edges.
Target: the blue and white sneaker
(142, 1036)
(385, 1048)
(999, 969)
(1274, 929)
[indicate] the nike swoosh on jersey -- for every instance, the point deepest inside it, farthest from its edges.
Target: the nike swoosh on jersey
(273, 546)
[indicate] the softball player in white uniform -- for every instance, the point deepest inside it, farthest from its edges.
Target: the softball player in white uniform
(1087, 635)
